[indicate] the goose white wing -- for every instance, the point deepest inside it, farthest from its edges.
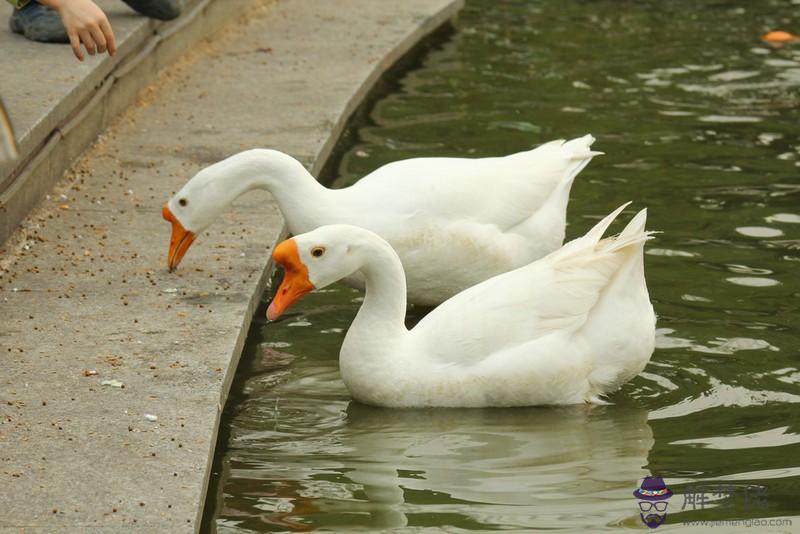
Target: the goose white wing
(514, 308)
(503, 191)
(551, 296)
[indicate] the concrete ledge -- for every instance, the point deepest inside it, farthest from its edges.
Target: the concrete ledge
(58, 106)
(83, 284)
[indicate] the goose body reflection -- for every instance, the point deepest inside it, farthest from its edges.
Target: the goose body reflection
(505, 463)
(379, 469)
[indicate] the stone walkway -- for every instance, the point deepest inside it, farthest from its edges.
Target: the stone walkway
(85, 290)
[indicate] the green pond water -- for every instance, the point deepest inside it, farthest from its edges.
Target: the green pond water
(700, 122)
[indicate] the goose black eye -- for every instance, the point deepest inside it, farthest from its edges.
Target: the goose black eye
(317, 251)
(183, 201)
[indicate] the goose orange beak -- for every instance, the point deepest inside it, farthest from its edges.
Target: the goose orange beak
(295, 279)
(180, 241)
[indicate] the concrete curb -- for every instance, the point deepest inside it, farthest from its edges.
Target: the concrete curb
(87, 288)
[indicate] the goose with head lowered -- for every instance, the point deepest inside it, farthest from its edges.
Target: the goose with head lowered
(454, 222)
(566, 329)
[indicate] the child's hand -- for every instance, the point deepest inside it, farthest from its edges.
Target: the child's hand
(85, 23)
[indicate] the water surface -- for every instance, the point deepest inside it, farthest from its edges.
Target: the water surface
(700, 123)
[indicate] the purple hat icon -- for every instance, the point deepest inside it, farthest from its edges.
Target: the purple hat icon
(653, 489)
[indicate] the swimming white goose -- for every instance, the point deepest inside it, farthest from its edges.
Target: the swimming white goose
(568, 328)
(453, 221)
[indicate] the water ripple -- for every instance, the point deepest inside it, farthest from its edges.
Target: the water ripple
(775, 437)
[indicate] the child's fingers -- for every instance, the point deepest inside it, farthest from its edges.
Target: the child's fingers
(88, 42)
(99, 38)
(75, 43)
(109, 34)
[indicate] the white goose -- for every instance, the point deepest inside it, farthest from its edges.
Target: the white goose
(566, 329)
(453, 221)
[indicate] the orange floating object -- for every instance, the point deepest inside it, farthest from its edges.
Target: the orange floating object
(780, 37)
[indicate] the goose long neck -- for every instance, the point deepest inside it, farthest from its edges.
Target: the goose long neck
(382, 314)
(301, 198)
(375, 354)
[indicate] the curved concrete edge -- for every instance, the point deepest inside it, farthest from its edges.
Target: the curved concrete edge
(85, 287)
(56, 121)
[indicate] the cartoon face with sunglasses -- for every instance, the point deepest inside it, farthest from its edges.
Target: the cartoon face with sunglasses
(653, 495)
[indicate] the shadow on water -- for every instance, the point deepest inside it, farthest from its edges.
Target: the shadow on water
(699, 121)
